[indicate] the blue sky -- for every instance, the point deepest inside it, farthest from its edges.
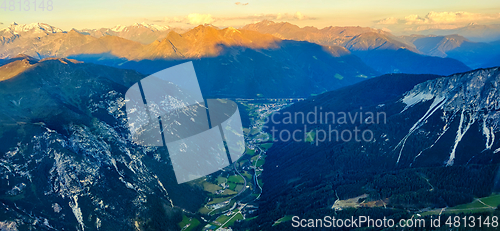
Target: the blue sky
(320, 13)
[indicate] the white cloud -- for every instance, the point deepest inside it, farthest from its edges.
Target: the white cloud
(440, 20)
(241, 4)
(453, 17)
(286, 16)
(388, 21)
(299, 16)
(280, 16)
(193, 19)
(197, 19)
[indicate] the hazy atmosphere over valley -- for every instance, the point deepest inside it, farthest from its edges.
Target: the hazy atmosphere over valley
(254, 115)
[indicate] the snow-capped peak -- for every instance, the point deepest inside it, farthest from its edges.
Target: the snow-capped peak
(120, 28)
(159, 28)
(33, 27)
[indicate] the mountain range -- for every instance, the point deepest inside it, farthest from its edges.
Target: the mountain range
(379, 49)
(68, 162)
(352, 38)
(221, 56)
(473, 32)
(473, 54)
(230, 56)
(32, 30)
(139, 32)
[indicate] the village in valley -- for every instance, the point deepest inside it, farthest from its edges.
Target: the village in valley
(233, 192)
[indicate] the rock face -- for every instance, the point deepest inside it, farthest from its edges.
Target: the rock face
(471, 99)
(67, 161)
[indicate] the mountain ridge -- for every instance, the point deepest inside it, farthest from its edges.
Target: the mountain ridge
(340, 36)
(381, 50)
(444, 128)
(473, 54)
(65, 139)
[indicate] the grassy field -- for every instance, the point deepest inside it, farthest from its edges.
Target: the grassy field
(238, 188)
(266, 146)
(221, 219)
(262, 137)
(236, 217)
(232, 186)
(283, 219)
(472, 205)
(254, 131)
(260, 162)
(204, 210)
(250, 152)
(236, 179)
(247, 175)
(193, 223)
(489, 204)
(242, 162)
(493, 200)
(221, 180)
(310, 136)
(228, 192)
(209, 187)
(218, 200)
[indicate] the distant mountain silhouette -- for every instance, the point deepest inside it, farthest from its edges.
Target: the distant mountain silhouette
(139, 32)
(473, 32)
(250, 64)
(473, 54)
(352, 38)
(379, 49)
